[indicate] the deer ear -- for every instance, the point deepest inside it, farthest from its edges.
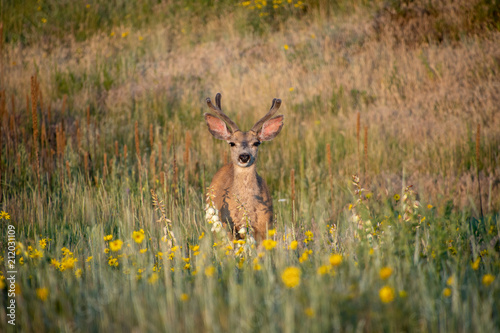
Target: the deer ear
(217, 127)
(271, 128)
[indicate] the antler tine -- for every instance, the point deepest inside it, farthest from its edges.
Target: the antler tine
(218, 111)
(218, 100)
(274, 108)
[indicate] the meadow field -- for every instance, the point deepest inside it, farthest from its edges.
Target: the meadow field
(385, 178)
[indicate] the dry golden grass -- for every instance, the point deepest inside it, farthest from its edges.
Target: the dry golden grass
(421, 101)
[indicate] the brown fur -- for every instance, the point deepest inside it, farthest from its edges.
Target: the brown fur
(251, 190)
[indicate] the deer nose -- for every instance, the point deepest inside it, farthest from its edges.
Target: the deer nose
(244, 158)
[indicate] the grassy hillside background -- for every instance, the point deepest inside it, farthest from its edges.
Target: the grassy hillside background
(103, 101)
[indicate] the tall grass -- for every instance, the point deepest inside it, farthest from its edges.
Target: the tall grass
(117, 83)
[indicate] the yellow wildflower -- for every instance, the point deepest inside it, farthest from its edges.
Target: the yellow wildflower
(116, 245)
(269, 244)
(335, 259)
(138, 236)
(43, 243)
(108, 238)
(125, 34)
(4, 215)
(271, 232)
(143, 250)
(385, 273)
(55, 263)
(42, 293)
(291, 277)
(78, 273)
(305, 256)
(67, 263)
(113, 262)
(397, 197)
(475, 264)
(89, 259)
(36, 254)
(446, 292)
(184, 297)
(488, 279)
(202, 235)
(293, 245)
(66, 251)
(386, 294)
(324, 269)
(285, 46)
(256, 265)
(309, 236)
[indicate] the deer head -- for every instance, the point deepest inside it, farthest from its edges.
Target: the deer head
(244, 145)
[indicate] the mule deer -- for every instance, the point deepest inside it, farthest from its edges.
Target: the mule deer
(238, 182)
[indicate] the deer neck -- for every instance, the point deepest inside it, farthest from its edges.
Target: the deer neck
(245, 183)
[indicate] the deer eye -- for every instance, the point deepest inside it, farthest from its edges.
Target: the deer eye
(256, 144)
(232, 144)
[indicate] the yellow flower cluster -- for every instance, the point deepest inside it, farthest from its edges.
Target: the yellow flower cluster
(269, 244)
(309, 236)
(67, 262)
(34, 253)
(305, 255)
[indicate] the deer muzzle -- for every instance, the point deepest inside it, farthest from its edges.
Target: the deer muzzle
(244, 158)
